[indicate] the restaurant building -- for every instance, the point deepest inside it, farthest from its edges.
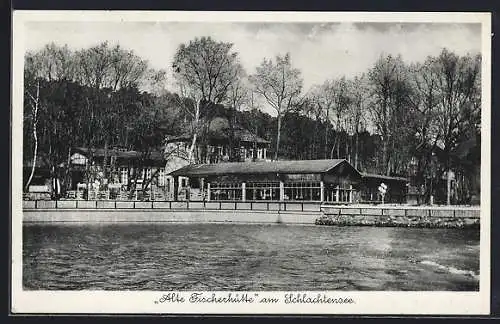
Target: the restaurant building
(307, 180)
(329, 181)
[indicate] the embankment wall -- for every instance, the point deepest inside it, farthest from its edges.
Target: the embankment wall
(443, 217)
(230, 212)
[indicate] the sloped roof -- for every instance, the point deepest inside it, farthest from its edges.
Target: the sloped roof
(382, 177)
(219, 129)
(126, 155)
(286, 167)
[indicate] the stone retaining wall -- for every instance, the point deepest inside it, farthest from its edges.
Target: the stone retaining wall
(402, 217)
(340, 216)
(166, 216)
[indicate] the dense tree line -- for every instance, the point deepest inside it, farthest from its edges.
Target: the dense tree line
(413, 119)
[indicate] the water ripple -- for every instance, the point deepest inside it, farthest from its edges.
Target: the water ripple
(247, 257)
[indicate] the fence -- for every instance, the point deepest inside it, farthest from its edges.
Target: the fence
(403, 211)
(174, 205)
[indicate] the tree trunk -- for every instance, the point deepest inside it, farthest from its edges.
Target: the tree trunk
(35, 136)
(231, 136)
(448, 187)
(356, 151)
(326, 141)
(33, 166)
(195, 133)
(105, 163)
(338, 146)
(69, 181)
(347, 148)
(385, 162)
(278, 134)
(333, 147)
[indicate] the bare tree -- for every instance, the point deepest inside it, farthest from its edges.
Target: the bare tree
(126, 69)
(35, 104)
(322, 99)
(94, 65)
(387, 85)
(459, 108)
(356, 114)
(54, 64)
(280, 84)
(341, 103)
(204, 70)
(424, 102)
(238, 96)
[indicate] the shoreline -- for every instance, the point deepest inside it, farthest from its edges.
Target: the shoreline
(273, 213)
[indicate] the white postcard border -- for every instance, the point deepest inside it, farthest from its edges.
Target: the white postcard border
(436, 303)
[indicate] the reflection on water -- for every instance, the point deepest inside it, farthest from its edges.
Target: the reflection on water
(248, 257)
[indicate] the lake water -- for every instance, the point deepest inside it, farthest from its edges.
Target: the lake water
(248, 257)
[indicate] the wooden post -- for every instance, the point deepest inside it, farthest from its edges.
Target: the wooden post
(243, 191)
(208, 191)
(350, 193)
(337, 194)
(202, 187)
(322, 190)
(448, 187)
(282, 191)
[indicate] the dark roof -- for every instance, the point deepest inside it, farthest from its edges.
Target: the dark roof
(288, 167)
(126, 155)
(241, 135)
(219, 129)
(383, 177)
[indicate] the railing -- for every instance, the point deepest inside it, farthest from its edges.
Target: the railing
(403, 211)
(307, 206)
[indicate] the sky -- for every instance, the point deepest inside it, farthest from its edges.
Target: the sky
(320, 50)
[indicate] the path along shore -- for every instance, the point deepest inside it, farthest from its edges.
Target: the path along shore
(251, 212)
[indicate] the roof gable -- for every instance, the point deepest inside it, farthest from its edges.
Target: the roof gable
(126, 155)
(283, 167)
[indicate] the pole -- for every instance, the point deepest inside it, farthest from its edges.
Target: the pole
(448, 187)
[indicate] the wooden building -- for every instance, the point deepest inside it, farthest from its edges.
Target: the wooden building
(123, 168)
(220, 139)
(397, 189)
(308, 180)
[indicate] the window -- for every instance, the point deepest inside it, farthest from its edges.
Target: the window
(161, 177)
(303, 191)
(225, 191)
(337, 193)
(269, 190)
(148, 173)
(124, 175)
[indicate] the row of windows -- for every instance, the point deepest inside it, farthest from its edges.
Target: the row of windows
(249, 153)
(267, 185)
(307, 191)
(124, 175)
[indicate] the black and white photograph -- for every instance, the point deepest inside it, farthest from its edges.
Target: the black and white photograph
(251, 162)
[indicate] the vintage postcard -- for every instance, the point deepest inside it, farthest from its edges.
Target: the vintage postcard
(251, 162)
